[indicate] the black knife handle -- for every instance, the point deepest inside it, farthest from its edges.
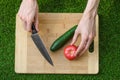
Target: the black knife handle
(33, 29)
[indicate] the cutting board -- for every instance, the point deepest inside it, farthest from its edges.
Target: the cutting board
(28, 59)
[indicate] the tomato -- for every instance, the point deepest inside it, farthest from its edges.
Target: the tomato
(69, 52)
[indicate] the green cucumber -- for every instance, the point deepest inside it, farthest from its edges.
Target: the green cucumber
(59, 42)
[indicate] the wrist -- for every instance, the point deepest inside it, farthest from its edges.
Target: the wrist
(90, 14)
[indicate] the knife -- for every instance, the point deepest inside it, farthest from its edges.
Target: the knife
(38, 42)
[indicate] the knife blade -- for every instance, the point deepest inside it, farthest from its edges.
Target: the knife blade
(38, 42)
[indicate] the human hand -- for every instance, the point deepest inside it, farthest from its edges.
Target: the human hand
(86, 28)
(28, 13)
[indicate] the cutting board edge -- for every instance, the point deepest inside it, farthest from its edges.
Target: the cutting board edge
(19, 71)
(20, 59)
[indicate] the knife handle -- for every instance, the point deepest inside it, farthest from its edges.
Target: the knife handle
(33, 29)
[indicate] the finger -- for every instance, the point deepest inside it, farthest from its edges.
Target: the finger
(36, 22)
(28, 28)
(74, 38)
(22, 18)
(25, 25)
(82, 45)
(86, 47)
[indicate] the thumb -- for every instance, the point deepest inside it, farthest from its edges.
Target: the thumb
(74, 38)
(29, 26)
(36, 22)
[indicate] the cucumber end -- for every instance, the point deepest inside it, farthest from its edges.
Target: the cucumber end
(52, 49)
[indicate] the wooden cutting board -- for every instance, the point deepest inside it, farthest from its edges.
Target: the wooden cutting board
(28, 59)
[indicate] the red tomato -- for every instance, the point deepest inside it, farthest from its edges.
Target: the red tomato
(69, 52)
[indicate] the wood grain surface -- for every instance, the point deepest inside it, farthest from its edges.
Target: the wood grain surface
(28, 58)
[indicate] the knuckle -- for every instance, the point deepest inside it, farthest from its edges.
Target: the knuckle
(85, 37)
(86, 48)
(91, 37)
(23, 18)
(20, 16)
(76, 32)
(28, 20)
(82, 47)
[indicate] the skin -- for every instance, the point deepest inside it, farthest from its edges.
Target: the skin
(86, 27)
(28, 13)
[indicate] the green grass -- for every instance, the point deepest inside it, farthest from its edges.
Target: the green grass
(109, 33)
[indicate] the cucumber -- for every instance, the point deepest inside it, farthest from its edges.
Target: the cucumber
(59, 42)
